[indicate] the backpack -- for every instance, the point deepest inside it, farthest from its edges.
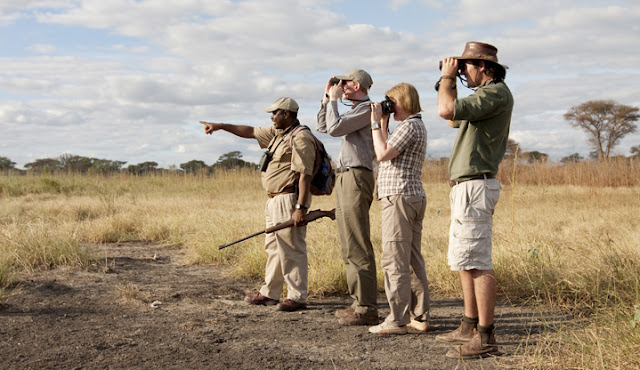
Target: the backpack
(324, 177)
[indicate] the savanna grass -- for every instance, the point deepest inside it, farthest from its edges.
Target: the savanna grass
(564, 236)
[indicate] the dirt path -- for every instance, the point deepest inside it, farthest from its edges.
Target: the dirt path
(74, 319)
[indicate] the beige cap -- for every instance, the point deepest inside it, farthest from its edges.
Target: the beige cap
(358, 75)
(284, 104)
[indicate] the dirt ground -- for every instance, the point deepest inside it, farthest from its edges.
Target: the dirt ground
(77, 319)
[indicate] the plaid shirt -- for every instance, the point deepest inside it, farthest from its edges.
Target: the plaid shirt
(401, 175)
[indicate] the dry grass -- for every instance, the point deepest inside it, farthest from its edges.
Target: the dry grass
(566, 237)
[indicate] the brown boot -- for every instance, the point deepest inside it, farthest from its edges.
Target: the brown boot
(344, 312)
(369, 318)
(259, 299)
(462, 334)
(482, 344)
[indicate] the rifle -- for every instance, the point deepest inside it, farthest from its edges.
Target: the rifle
(310, 216)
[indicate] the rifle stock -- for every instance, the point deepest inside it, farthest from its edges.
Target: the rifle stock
(309, 217)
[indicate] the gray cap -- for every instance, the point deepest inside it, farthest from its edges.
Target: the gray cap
(358, 75)
(284, 104)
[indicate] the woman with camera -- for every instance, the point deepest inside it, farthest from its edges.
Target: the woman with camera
(401, 156)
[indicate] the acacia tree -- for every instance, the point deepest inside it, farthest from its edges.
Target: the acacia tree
(44, 165)
(606, 122)
(194, 167)
(6, 164)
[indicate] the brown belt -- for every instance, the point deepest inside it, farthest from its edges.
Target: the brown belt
(483, 176)
(288, 190)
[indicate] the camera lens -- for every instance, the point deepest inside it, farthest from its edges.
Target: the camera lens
(334, 81)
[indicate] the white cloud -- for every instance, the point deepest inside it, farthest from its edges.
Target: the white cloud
(227, 60)
(41, 48)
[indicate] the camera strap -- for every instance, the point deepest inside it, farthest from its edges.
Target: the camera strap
(356, 102)
(297, 123)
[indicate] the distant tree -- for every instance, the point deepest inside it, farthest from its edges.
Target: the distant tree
(105, 166)
(635, 151)
(535, 156)
(606, 122)
(44, 165)
(573, 158)
(512, 147)
(232, 160)
(75, 163)
(194, 167)
(142, 168)
(6, 164)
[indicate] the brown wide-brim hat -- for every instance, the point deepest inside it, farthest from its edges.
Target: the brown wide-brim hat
(481, 51)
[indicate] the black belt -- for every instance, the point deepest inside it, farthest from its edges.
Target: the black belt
(477, 177)
(347, 169)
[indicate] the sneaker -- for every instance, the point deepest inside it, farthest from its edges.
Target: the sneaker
(369, 318)
(259, 299)
(421, 326)
(386, 328)
(461, 335)
(345, 312)
(475, 348)
(289, 305)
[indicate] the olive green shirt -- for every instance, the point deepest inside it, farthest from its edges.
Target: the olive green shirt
(483, 119)
(287, 162)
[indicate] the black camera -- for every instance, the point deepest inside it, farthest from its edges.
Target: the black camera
(264, 160)
(334, 81)
(387, 105)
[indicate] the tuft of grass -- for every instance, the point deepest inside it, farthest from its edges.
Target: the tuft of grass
(571, 247)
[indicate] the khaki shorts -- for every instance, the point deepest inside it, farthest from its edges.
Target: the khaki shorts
(472, 206)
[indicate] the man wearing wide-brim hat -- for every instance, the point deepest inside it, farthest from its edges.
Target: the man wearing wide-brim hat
(482, 119)
(286, 177)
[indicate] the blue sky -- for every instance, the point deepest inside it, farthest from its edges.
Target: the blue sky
(129, 80)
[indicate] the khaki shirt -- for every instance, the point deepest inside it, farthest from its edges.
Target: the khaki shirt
(287, 162)
(483, 119)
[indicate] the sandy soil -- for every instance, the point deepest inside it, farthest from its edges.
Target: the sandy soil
(77, 319)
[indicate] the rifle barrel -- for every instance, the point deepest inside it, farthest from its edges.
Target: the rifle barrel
(240, 240)
(311, 216)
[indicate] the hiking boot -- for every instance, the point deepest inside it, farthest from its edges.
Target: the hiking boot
(259, 299)
(421, 326)
(461, 335)
(289, 305)
(481, 345)
(355, 318)
(387, 328)
(345, 312)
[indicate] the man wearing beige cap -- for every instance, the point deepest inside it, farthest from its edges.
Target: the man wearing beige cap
(353, 190)
(286, 176)
(483, 121)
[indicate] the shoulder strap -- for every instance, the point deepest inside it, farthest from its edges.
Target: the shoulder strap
(295, 131)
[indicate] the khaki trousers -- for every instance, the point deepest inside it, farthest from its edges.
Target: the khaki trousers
(405, 277)
(354, 194)
(286, 252)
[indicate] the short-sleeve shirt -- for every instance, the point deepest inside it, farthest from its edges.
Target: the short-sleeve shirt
(287, 162)
(401, 175)
(483, 119)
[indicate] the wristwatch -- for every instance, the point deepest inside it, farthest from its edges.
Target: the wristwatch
(375, 126)
(300, 206)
